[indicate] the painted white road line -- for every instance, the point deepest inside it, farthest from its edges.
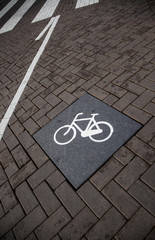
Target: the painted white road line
(24, 82)
(7, 7)
(45, 29)
(47, 10)
(11, 23)
(83, 3)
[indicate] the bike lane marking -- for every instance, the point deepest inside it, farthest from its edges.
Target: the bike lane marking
(7, 7)
(47, 10)
(25, 80)
(83, 3)
(12, 22)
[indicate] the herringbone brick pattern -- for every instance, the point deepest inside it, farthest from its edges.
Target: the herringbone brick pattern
(105, 49)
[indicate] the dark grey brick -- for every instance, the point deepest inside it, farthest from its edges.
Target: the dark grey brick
(108, 226)
(79, 225)
(58, 219)
(3, 176)
(106, 173)
(7, 197)
(149, 177)
(29, 223)
(26, 197)
(69, 198)
(55, 179)
(47, 198)
(22, 174)
(121, 199)
(144, 195)
(138, 226)
(131, 172)
(94, 199)
(11, 219)
(41, 174)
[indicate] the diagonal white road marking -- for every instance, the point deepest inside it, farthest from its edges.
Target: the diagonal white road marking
(24, 82)
(83, 3)
(7, 7)
(47, 10)
(11, 23)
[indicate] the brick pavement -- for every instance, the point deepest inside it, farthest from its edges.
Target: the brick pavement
(107, 50)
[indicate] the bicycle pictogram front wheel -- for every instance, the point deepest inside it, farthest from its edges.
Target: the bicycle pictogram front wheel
(64, 134)
(107, 131)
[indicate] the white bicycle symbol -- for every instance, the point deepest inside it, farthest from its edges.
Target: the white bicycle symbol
(68, 132)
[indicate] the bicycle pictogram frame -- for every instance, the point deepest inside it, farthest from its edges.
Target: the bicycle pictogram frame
(88, 132)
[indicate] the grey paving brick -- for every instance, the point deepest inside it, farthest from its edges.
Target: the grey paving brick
(143, 99)
(98, 92)
(144, 195)
(17, 128)
(110, 99)
(146, 133)
(37, 155)
(138, 226)
(115, 90)
(121, 199)
(3, 177)
(47, 198)
(148, 84)
(31, 237)
(151, 235)
(11, 219)
(25, 139)
(132, 87)
(106, 80)
(127, 99)
(7, 197)
(41, 174)
(11, 142)
(149, 178)
(137, 114)
(58, 109)
(124, 155)
(1, 211)
(39, 102)
(131, 172)
(26, 197)
(102, 177)
(29, 223)
(58, 219)
(9, 236)
(11, 169)
(20, 156)
(67, 97)
(55, 179)
(79, 225)
(70, 199)
(107, 226)
(90, 83)
(150, 108)
(31, 126)
(22, 174)
(142, 149)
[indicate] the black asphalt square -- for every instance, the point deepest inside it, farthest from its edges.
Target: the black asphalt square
(84, 136)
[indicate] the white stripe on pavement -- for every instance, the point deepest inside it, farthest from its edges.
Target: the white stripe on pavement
(7, 8)
(47, 10)
(24, 82)
(11, 23)
(45, 29)
(83, 3)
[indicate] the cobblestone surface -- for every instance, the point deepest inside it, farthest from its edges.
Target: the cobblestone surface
(108, 50)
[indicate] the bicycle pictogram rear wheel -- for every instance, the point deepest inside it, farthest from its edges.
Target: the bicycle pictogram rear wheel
(64, 134)
(107, 131)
